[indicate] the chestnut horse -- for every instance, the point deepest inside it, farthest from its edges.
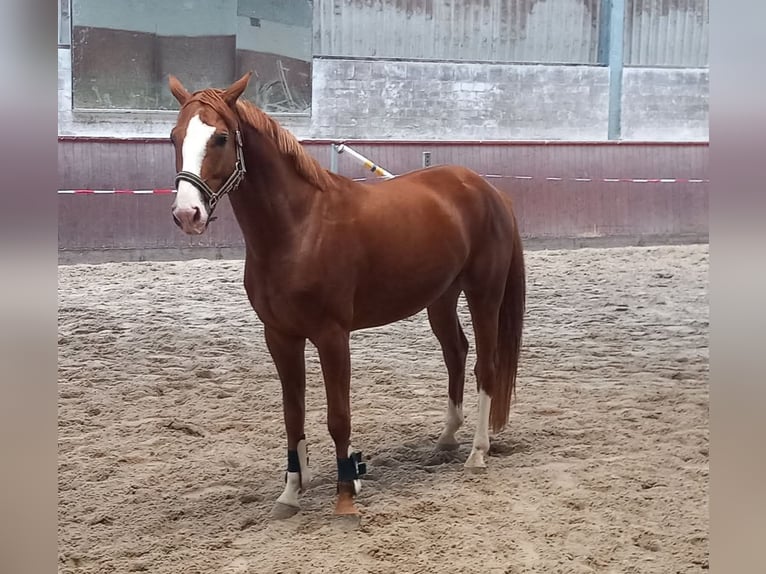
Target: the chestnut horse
(326, 255)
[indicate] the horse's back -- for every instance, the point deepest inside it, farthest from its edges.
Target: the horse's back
(446, 182)
(457, 190)
(442, 181)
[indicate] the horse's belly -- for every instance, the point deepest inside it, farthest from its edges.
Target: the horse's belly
(389, 313)
(384, 302)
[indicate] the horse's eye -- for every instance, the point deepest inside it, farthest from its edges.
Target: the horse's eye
(220, 139)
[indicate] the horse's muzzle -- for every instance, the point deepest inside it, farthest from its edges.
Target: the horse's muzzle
(190, 219)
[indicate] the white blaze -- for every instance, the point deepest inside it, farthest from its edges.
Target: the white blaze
(198, 133)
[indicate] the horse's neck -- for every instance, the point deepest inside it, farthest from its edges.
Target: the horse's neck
(273, 202)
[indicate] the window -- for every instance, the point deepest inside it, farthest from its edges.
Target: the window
(274, 40)
(124, 50)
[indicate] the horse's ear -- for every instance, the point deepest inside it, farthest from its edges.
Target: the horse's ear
(177, 89)
(233, 92)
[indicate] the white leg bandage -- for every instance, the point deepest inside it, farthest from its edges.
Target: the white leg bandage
(297, 482)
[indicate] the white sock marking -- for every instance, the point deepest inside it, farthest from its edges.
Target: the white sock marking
(481, 439)
(454, 415)
(481, 436)
(198, 133)
(453, 422)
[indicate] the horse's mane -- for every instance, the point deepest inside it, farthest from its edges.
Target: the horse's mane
(287, 144)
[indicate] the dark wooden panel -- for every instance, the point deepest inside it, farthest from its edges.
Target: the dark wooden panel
(546, 209)
(116, 164)
(135, 222)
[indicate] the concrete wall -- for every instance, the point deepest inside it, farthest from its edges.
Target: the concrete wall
(432, 100)
(665, 104)
(355, 98)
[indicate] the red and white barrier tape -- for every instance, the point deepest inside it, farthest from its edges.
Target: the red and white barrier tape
(488, 176)
(606, 179)
(117, 191)
(585, 179)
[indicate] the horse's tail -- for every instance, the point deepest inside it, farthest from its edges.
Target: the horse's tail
(509, 335)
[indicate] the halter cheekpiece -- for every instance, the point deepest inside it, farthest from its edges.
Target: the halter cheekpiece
(213, 197)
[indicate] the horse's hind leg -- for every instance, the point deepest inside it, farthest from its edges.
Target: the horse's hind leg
(485, 315)
(442, 314)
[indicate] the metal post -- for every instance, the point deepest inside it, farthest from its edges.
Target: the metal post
(616, 39)
(333, 158)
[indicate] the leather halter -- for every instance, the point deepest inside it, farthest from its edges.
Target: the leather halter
(212, 197)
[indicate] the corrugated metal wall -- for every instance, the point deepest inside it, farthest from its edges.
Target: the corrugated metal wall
(666, 33)
(565, 31)
(657, 32)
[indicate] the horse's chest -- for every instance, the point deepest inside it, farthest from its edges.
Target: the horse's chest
(284, 302)
(266, 297)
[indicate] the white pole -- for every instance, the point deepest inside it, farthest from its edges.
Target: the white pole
(334, 158)
(376, 169)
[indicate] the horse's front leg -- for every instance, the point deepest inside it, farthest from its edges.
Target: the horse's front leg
(333, 348)
(289, 357)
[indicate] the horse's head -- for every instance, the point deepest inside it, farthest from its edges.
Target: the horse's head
(208, 148)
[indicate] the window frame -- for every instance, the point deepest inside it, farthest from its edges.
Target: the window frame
(65, 24)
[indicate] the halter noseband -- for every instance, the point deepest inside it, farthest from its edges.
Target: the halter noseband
(212, 197)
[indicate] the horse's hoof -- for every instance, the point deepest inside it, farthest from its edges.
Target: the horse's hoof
(346, 510)
(345, 506)
(447, 445)
(476, 469)
(282, 511)
(475, 462)
(347, 522)
(346, 515)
